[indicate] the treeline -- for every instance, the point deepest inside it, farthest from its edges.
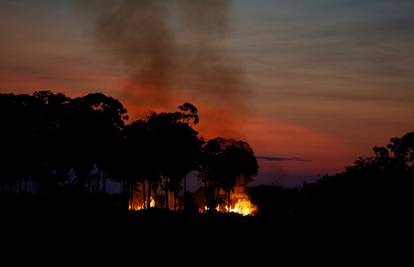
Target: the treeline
(380, 186)
(51, 143)
(54, 145)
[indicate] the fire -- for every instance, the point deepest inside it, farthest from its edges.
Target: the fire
(242, 206)
(142, 206)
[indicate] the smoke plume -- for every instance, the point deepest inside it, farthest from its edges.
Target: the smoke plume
(172, 50)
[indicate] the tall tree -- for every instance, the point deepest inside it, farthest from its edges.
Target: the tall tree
(140, 157)
(225, 162)
(95, 132)
(176, 145)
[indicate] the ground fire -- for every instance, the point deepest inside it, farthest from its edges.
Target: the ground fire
(240, 204)
(140, 206)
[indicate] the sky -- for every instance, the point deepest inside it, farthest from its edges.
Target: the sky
(310, 84)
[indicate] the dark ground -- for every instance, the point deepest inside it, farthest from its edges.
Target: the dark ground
(83, 232)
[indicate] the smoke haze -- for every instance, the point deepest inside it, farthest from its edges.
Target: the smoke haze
(172, 50)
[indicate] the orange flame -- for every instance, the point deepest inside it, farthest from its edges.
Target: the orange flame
(242, 206)
(142, 206)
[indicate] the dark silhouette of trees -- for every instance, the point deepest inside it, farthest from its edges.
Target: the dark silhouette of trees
(159, 151)
(31, 139)
(56, 147)
(176, 147)
(95, 128)
(47, 135)
(375, 185)
(277, 201)
(51, 118)
(15, 114)
(225, 162)
(51, 141)
(139, 158)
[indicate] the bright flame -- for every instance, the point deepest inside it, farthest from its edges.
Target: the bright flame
(242, 206)
(142, 206)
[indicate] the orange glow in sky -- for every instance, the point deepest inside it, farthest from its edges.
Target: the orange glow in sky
(310, 84)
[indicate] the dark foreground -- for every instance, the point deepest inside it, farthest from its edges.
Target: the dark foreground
(104, 216)
(59, 231)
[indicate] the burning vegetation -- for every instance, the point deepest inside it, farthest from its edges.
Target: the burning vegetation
(141, 206)
(158, 60)
(239, 203)
(150, 158)
(224, 166)
(242, 206)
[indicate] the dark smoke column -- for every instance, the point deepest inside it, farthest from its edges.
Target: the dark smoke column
(171, 49)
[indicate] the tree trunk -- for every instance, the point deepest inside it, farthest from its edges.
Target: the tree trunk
(229, 199)
(185, 192)
(143, 194)
(206, 191)
(175, 200)
(167, 202)
(149, 196)
(131, 196)
(218, 193)
(125, 192)
(155, 195)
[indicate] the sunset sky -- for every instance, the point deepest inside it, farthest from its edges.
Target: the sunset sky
(310, 84)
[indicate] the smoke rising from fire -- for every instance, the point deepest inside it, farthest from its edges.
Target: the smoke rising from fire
(173, 51)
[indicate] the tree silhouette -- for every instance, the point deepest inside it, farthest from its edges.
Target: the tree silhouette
(140, 158)
(16, 137)
(54, 146)
(96, 127)
(225, 162)
(160, 150)
(176, 145)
